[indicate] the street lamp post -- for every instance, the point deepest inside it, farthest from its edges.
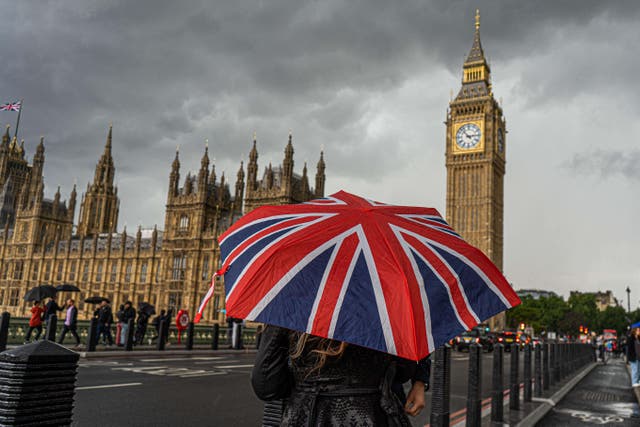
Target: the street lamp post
(628, 300)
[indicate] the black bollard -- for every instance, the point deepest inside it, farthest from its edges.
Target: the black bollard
(514, 382)
(527, 373)
(214, 336)
(52, 324)
(237, 336)
(546, 349)
(556, 363)
(537, 387)
(128, 339)
(552, 362)
(5, 318)
(474, 402)
(38, 384)
(92, 335)
(161, 335)
(190, 329)
(497, 385)
(441, 384)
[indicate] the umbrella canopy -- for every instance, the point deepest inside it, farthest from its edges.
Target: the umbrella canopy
(397, 279)
(65, 287)
(39, 293)
(96, 300)
(636, 325)
(147, 308)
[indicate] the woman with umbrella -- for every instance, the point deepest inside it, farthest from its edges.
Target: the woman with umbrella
(370, 288)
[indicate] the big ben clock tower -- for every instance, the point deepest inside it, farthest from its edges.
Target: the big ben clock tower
(475, 158)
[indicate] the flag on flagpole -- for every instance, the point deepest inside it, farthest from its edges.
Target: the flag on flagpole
(11, 106)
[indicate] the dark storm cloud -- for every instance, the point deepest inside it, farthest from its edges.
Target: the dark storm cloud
(170, 73)
(607, 164)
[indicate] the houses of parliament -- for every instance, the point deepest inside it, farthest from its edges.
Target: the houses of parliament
(39, 242)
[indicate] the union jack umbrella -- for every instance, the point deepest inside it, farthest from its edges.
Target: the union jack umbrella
(396, 279)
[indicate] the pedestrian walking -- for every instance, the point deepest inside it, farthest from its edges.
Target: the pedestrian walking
(141, 327)
(129, 313)
(70, 322)
(633, 356)
(344, 384)
(37, 312)
(105, 319)
(156, 323)
(50, 308)
(119, 315)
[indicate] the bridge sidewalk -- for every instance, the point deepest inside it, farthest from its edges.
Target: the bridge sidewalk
(603, 396)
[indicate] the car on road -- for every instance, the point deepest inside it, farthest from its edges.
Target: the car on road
(476, 335)
(507, 338)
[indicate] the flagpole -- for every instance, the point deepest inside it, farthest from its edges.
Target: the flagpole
(15, 134)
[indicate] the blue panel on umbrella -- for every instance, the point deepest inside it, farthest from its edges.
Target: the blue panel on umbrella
(230, 243)
(291, 308)
(239, 263)
(484, 302)
(444, 322)
(359, 320)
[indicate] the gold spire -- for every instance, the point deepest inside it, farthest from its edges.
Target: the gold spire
(477, 19)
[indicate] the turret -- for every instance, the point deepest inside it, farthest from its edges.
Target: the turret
(72, 203)
(188, 184)
(239, 189)
(252, 167)
(269, 176)
(287, 164)
(320, 177)
(203, 175)
(174, 176)
(305, 181)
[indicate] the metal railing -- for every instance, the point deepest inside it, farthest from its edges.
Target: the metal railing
(544, 365)
(194, 337)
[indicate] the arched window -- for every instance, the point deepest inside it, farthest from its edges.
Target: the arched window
(184, 223)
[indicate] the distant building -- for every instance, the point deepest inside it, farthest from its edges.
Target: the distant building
(603, 299)
(39, 242)
(535, 293)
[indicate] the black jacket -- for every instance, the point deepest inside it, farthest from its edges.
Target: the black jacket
(128, 314)
(632, 356)
(50, 309)
(105, 315)
(354, 389)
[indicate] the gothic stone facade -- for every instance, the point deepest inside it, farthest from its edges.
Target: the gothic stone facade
(170, 268)
(475, 159)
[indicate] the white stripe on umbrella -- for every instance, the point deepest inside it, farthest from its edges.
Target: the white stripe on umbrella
(286, 278)
(377, 290)
(421, 286)
(323, 282)
(266, 248)
(343, 291)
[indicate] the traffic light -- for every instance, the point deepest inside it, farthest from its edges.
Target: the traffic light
(581, 329)
(522, 326)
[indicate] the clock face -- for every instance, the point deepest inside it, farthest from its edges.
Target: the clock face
(468, 136)
(500, 140)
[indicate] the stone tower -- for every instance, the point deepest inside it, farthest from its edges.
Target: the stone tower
(475, 159)
(100, 204)
(280, 185)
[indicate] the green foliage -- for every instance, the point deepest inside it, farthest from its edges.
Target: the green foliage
(554, 314)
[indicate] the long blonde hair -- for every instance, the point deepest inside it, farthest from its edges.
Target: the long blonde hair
(323, 347)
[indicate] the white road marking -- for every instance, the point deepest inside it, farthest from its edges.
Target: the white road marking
(233, 366)
(93, 387)
(179, 359)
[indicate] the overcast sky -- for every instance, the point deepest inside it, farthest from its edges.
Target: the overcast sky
(369, 81)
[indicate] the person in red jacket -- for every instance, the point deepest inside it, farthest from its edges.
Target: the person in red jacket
(36, 321)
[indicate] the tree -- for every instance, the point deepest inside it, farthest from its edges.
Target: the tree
(584, 305)
(614, 318)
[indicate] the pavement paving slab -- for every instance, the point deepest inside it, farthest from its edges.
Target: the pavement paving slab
(603, 397)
